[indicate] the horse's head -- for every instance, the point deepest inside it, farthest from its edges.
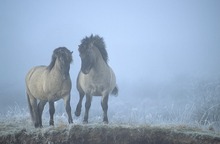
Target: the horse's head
(88, 53)
(64, 56)
(87, 57)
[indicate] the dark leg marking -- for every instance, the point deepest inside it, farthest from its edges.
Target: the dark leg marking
(104, 104)
(51, 111)
(87, 106)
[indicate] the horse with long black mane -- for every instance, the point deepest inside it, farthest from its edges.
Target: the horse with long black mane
(96, 78)
(49, 84)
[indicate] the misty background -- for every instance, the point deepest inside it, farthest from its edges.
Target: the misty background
(165, 54)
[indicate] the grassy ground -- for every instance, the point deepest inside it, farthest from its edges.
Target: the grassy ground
(157, 120)
(21, 131)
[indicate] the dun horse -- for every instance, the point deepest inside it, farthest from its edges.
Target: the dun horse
(49, 84)
(95, 78)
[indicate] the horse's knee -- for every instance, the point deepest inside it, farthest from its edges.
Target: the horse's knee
(88, 105)
(88, 102)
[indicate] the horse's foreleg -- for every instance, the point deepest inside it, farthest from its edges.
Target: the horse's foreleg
(41, 105)
(51, 111)
(79, 105)
(68, 109)
(104, 104)
(87, 106)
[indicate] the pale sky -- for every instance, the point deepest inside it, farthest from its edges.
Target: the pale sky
(147, 40)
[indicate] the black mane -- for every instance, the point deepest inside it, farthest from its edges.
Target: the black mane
(52, 63)
(98, 42)
(60, 52)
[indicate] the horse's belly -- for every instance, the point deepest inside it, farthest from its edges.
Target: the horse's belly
(54, 98)
(96, 85)
(96, 90)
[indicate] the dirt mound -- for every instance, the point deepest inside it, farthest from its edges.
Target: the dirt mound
(106, 134)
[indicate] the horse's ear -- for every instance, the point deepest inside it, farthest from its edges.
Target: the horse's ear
(79, 47)
(71, 52)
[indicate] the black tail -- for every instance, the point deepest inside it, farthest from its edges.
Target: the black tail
(115, 91)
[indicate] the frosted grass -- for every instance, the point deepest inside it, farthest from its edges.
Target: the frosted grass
(121, 114)
(193, 104)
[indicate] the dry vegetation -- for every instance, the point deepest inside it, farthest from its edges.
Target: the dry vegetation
(192, 118)
(18, 131)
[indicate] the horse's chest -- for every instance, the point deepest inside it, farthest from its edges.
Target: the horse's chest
(57, 90)
(94, 86)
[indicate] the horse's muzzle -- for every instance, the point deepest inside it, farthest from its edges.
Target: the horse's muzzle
(85, 71)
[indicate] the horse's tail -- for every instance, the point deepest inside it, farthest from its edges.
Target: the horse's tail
(30, 107)
(115, 91)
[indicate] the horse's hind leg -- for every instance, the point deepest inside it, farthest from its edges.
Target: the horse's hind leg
(104, 104)
(79, 105)
(41, 105)
(34, 110)
(68, 108)
(87, 106)
(51, 111)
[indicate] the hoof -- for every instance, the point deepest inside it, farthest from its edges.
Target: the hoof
(70, 121)
(38, 126)
(85, 122)
(105, 122)
(77, 113)
(51, 123)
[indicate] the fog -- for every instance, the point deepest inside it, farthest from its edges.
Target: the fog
(163, 52)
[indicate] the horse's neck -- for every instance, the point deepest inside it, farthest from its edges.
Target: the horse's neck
(100, 64)
(59, 70)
